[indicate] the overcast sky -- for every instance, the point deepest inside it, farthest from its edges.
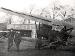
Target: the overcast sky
(22, 5)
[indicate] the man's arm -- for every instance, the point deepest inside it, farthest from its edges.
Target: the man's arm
(69, 29)
(8, 34)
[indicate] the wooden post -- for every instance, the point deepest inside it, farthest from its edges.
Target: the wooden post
(39, 25)
(35, 30)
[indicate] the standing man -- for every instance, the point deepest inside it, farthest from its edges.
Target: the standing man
(65, 34)
(10, 38)
(17, 39)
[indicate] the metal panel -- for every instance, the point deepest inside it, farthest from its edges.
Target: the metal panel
(21, 26)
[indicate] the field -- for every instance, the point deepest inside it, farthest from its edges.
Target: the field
(27, 49)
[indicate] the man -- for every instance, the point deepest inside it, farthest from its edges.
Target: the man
(65, 33)
(17, 39)
(10, 38)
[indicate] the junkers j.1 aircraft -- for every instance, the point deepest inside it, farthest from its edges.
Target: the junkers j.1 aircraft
(45, 32)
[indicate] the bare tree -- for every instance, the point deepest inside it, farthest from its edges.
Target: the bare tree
(31, 8)
(45, 12)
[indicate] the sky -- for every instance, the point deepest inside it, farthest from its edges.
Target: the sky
(27, 5)
(20, 5)
(24, 4)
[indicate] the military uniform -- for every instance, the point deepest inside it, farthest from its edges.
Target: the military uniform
(17, 39)
(65, 33)
(10, 39)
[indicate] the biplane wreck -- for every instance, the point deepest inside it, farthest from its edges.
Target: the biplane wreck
(45, 34)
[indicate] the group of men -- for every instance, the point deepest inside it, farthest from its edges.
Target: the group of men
(14, 36)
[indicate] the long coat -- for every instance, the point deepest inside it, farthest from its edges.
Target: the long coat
(17, 38)
(11, 36)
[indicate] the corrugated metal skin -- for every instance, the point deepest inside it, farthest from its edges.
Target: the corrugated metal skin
(3, 26)
(21, 26)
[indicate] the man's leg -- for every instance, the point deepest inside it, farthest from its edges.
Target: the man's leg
(10, 43)
(17, 44)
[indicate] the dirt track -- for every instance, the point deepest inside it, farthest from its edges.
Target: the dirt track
(27, 49)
